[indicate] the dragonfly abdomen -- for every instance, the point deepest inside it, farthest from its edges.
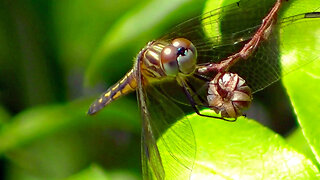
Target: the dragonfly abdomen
(126, 85)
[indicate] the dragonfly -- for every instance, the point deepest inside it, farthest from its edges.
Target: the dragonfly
(189, 69)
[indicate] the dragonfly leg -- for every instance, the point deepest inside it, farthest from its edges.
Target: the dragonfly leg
(196, 94)
(202, 77)
(185, 88)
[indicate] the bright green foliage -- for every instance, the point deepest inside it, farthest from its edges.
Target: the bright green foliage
(298, 141)
(302, 85)
(244, 150)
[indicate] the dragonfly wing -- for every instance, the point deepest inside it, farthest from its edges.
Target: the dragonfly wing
(150, 153)
(168, 142)
(234, 25)
(277, 57)
(150, 156)
(289, 46)
(219, 33)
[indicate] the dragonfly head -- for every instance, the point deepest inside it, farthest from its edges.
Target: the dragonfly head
(179, 57)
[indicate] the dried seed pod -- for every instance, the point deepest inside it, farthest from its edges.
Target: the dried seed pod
(229, 94)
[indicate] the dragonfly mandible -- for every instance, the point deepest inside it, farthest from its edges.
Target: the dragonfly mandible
(189, 67)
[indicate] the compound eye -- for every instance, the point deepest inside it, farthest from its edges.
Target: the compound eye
(169, 60)
(186, 55)
(181, 56)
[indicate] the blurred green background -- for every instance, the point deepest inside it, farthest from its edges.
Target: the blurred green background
(56, 57)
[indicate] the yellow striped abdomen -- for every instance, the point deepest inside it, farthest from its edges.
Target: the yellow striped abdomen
(126, 85)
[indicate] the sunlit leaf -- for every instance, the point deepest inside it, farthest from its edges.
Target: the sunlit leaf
(243, 150)
(298, 141)
(303, 84)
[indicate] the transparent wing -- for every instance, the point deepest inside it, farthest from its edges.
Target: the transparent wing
(150, 156)
(176, 153)
(264, 66)
(268, 64)
(235, 24)
(219, 33)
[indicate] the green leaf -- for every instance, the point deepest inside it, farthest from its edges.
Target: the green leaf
(241, 150)
(303, 84)
(298, 141)
(97, 173)
(39, 122)
(302, 87)
(80, 25)
(93, 172)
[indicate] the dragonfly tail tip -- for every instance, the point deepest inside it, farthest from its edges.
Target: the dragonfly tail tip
(91, 111)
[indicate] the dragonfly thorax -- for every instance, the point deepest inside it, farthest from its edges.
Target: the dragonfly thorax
(168, 59)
